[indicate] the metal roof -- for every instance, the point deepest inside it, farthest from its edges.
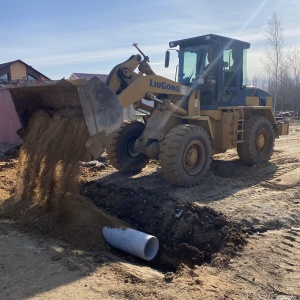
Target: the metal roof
(208, 38)
(103, 77)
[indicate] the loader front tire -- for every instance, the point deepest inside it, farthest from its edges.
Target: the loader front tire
(120, 149)
(258, 142)
(185, 155)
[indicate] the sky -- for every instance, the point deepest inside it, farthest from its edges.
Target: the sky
(61, 37)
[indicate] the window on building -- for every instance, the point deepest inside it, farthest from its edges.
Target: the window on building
(4, 77)
(30, 77)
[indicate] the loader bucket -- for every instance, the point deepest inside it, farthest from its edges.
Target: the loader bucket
(101, 108)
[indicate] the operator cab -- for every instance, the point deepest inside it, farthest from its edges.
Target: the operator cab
(215, 65)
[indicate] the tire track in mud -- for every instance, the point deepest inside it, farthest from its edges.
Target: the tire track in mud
(259, 207)
(271, 263)
(255, 196)
(226, 179)
(285, 177)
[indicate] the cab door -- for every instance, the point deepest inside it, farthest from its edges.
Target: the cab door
(232, 75)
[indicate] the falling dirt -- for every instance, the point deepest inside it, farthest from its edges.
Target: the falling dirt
(46, 195)
(48, 163)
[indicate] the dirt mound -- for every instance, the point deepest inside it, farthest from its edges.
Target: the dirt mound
(46, 194)
(188, 233)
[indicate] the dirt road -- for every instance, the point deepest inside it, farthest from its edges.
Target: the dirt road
(240, 229)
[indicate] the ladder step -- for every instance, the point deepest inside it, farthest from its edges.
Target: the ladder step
(239, 120)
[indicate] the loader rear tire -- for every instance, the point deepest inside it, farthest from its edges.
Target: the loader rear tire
(120, 151)
(185, 155)
(258, 142)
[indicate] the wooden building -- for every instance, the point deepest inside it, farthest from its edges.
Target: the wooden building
(18, 70)
(12, 72)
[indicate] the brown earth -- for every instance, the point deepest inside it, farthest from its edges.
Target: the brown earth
(236, 236)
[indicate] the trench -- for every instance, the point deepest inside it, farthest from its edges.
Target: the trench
(188, 233)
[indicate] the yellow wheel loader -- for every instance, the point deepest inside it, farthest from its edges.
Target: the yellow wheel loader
(207, 110)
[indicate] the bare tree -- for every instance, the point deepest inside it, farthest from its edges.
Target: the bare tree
(275, 55)
(259, 81)
(294, 59)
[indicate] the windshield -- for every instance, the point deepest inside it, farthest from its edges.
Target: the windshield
(191, 63)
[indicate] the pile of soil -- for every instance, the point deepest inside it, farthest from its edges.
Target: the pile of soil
(46, 195)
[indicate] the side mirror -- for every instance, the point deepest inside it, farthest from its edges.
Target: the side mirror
(167, 59)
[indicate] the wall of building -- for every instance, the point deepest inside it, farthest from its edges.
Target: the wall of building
(17, 71)
(9, 121)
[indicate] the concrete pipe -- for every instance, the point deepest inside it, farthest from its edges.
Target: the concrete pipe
(132, 241)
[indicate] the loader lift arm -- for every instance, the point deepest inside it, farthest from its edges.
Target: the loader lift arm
(122, 75)
(131, 86)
